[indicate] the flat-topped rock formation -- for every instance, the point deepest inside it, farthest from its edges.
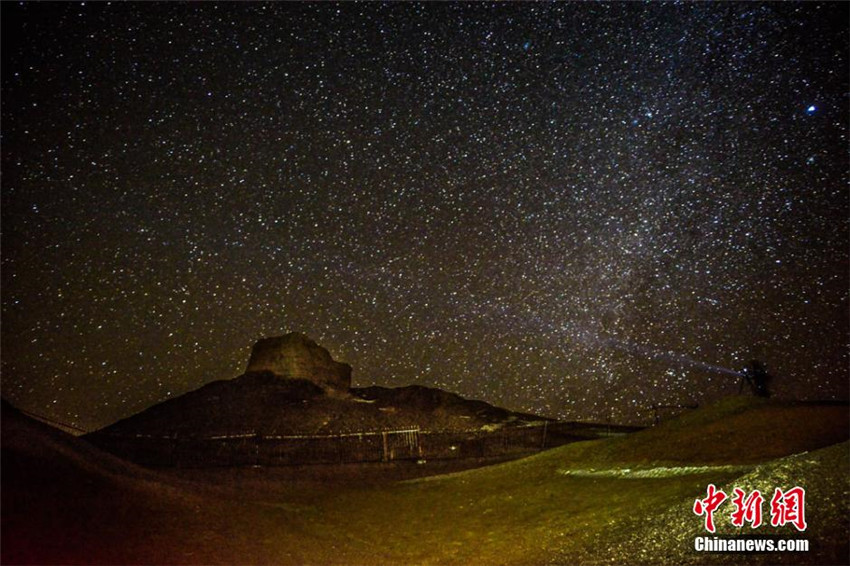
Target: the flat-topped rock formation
(293, 386)
(295, 356)
(295, 405)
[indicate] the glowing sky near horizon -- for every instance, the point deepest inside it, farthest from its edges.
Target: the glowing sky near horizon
(550, 207)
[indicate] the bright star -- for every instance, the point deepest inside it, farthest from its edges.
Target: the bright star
(811, 109)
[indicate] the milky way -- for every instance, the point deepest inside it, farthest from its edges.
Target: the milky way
(574, 209)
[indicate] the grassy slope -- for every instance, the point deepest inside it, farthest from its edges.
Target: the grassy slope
(667, 537)
(738, 429)
(526, 511)
(522, 512)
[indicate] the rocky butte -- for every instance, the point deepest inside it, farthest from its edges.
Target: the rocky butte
(295, 356)
(295, 405)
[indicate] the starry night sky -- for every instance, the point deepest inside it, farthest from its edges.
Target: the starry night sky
(563, 208)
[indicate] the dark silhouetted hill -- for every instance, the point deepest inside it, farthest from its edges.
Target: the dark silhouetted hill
(66, 501)
(262, 402)
(292, 386)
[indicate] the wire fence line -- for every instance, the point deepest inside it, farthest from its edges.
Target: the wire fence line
(67, 427)
(255, 433)
(254, 448)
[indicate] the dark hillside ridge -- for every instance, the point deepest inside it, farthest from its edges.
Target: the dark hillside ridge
(261, 402)
(294, 405)
(292, 386)
(30, 446)
(430, 399)
(260, 419)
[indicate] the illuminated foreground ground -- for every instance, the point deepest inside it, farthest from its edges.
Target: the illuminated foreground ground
(625, 500)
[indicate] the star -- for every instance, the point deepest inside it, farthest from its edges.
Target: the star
(558, 230)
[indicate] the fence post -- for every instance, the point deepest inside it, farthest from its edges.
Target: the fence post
(386, 457)
(543, 444)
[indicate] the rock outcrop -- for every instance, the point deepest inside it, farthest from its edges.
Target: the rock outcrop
(295, 356)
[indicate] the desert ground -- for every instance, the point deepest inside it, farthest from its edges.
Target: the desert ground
(625, 500)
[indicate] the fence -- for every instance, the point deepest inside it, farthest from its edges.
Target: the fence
(251, 448)
(71, 429)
